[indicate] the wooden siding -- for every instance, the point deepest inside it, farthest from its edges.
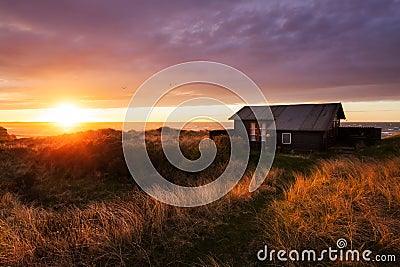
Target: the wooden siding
(304, 141)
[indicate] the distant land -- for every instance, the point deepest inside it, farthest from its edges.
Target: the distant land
(30, 129)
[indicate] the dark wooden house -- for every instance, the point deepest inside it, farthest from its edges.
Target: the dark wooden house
(303, 127)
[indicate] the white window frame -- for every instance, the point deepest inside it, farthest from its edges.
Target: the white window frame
(290, 139)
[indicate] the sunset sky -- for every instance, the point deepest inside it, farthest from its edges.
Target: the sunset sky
(95, 54)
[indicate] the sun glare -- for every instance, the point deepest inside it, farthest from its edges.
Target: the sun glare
(68, 115)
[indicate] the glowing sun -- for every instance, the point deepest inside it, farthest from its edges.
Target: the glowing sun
(68, 115)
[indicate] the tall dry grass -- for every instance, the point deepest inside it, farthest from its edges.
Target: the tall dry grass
(101, 232)
(49, 217)
(124, 231)
(345, 198)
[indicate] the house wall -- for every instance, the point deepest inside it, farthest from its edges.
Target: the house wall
(301, 141)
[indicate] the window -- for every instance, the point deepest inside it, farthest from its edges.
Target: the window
(286, 138)
(252, 131)
(264, 131)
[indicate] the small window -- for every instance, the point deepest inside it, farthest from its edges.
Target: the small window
(263, 132)
(286, 138)
(253, 131)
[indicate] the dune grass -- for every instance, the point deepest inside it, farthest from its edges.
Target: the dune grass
(355, 199)
(62, 204)
(131, 230)
(69, 201)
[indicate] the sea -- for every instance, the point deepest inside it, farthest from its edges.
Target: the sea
(32, 129)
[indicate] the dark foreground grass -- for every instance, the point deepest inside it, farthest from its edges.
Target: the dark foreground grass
(383, 149)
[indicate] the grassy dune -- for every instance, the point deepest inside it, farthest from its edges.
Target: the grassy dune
(358, 200)
(69, 200)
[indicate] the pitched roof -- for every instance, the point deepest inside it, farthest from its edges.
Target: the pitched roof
(302, 117)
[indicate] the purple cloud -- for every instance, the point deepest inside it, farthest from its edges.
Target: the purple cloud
(295, 50)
